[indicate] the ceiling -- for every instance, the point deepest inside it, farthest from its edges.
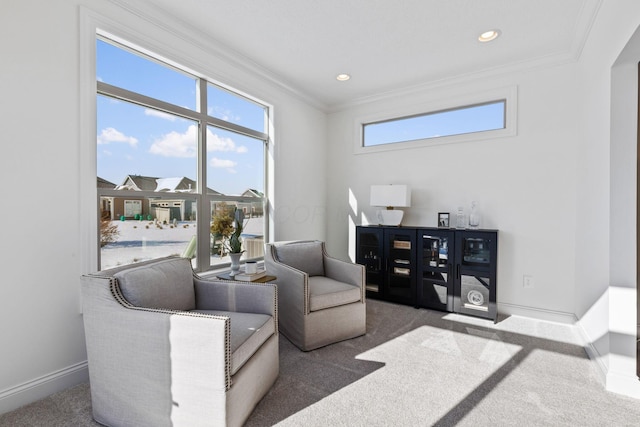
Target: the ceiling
(385, 45)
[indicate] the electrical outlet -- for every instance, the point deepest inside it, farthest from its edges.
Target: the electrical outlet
(527, 282)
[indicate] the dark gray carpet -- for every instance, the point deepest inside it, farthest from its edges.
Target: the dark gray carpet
(417, 368)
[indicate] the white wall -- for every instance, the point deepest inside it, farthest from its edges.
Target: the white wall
(606, 251)
(525, 184)
(562, 192)
(41, 82)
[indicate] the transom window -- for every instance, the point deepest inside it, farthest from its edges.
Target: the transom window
(176, 155)
(457, 121)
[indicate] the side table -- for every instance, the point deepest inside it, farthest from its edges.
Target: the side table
(264, 279)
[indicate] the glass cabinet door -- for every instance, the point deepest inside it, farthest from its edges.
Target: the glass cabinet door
(370, 253)
(475, 291)
(435, 284)
(400, 251)
(475, 294)
(476, 252)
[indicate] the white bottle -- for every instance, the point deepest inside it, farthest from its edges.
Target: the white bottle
(460, 219)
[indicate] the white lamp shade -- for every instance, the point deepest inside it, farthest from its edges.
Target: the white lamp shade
(390, 196)
(398, 196)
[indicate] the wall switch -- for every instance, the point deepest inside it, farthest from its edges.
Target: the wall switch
(527, 281)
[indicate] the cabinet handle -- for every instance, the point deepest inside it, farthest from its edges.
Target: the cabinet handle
(458, 271)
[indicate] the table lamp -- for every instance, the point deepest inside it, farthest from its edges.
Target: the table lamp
(390, 196)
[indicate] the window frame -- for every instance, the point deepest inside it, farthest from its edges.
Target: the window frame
(508, 95)
(203, 120)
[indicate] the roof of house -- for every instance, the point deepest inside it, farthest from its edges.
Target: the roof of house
(250, 192)
(103, 183)
(169, 185)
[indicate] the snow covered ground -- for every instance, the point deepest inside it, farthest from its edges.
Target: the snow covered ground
(143, 240)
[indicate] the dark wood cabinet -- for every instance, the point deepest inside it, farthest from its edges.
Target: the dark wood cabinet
(476, 273)
(444, 269)
(389, 255)
(400, 256)
(370, 253)
(435, 282)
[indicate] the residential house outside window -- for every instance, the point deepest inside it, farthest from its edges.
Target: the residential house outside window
(175, 153)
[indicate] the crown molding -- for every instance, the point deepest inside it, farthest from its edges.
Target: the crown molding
(180, 29)
(582, 29)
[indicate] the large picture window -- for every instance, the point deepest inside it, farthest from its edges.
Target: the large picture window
(176, 154)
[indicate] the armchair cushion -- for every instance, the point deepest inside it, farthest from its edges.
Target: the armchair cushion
(326, 293)
(248, 332)
(305, 256)
(168, 285)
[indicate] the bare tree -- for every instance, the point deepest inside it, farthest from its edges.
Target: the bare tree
(108, 231)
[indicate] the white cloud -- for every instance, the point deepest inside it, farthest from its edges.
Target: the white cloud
(224, 114)
(109, 135)
(218, 143)
(175, 144)
(229, 165)
(159, 114)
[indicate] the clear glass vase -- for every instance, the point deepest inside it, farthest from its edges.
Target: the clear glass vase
(474, 216)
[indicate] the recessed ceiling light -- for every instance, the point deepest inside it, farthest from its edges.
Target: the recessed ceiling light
(487, 36)
(343, 77)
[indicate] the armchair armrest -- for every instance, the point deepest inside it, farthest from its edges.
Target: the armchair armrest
(293, 284)
(245, 297)
(353, 274)
(178, 347)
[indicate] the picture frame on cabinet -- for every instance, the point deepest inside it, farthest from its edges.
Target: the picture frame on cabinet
(443, 220)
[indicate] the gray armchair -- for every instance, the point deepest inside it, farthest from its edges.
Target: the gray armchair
(321, 300)
(169, 348)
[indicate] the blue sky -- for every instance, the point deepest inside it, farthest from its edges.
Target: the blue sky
(445, 123)
(134, 140)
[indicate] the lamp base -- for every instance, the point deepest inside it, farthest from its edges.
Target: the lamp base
(391, 217)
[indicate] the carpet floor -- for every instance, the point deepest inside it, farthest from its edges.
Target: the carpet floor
(417, 368)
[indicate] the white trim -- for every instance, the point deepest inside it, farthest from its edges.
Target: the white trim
(593, 354)
(582, 30)
(536, 313)
(41, 387)
(510, 94)
(93, 25)
(87, 132)
(171, 24)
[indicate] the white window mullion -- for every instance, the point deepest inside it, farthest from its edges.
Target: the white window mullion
(204, 215)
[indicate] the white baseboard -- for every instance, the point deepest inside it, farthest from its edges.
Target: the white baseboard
(594, 355)
(627, 385)
(39, 388)
(537, 313)
(624, 384)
